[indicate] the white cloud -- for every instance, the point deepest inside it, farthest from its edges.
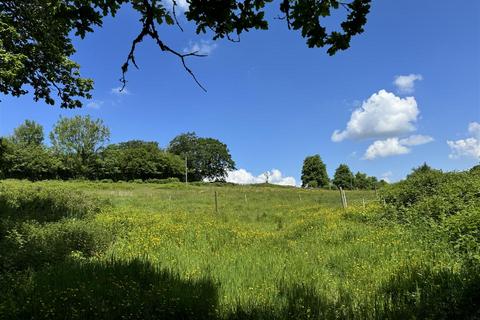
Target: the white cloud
(474, 129)
(242, 176)
(406, 84)
(118, 91)
(469, 147)
(385, 148)
(382, 115)
(96, 104)
(386, 176)
(181, 4)
(416, 140)
(394, 146)
(204, 47)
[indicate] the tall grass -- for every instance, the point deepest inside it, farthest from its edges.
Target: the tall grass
(161, 251)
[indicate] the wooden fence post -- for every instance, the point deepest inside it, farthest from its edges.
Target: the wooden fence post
(344, 198)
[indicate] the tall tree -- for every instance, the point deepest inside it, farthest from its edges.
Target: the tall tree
(207, 158)
(28, 133)
(361, 181)
(78, 140)
(37, 35)
(214, 159)
(343, 177)
(314, 172)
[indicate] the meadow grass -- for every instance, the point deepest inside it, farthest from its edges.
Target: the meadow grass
(268, 253)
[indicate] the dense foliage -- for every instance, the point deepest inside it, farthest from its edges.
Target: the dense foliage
(343, 177)
(448, 201)
(79, 150)
(206, 158)
(314, 172)
(36, 36)
(138, 160)
(29, 133)
(77, 141)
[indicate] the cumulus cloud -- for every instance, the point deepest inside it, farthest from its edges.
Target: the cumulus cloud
(204, 47)
(394, 146)
(242, 176)
(96, 104)
(119, 92)
(406, 84)
(382, 115)
(469, 147)
(385, 148)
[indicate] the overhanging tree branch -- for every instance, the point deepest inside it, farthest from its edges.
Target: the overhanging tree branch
(149, 29)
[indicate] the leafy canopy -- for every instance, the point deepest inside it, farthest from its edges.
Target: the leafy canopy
(78, 139)
(139, 160)
(207, 158)
(28, 133)
(343, 177)
(36, 35)
(314, 172)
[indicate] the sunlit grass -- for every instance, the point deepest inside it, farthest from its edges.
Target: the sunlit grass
(268, 252)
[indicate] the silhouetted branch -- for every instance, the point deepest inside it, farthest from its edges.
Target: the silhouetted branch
(150, 30)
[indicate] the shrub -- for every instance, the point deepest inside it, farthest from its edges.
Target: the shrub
(450, 202)
(463, 231)
(33, 245)
(41, 203)
(432, 194)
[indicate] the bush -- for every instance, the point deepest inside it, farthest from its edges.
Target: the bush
(33, 245)
(463, 231)
(433, 194)
(313, 184)
(42, 225)
(449, 202)
(41, 203)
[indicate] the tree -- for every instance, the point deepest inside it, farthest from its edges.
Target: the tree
(139, 160)
(37, 35)
(372, 182)
(207, 158)
(28, 133)
(361, 181)
(214, 159)
(343, 177)
(27, 161)
(421, 170)
(314, 172)
(77, 140)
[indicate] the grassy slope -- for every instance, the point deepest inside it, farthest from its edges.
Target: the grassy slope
(269, 252)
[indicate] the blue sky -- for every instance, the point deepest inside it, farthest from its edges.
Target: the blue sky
(273, 101)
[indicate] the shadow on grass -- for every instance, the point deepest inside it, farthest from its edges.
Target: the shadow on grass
(77, 289)
(40, 278)
(109, 290)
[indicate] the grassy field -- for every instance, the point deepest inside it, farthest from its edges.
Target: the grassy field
(162, 251)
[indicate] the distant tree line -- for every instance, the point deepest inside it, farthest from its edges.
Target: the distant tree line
(314, 175)
(79, 149)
